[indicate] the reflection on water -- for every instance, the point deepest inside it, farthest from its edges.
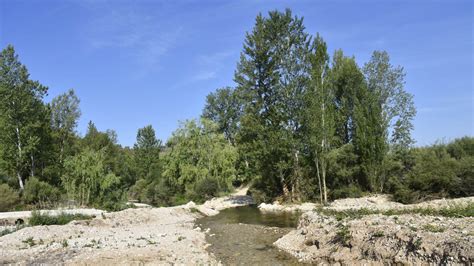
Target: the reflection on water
(245, 236)
(252, 215)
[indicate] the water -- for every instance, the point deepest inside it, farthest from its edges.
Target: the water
(245, 236)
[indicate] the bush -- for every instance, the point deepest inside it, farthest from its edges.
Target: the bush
(441, 170)
(41, 193)
(260, 196)
(202, 190)
(138, 190)
(8, 199)
(112, 200)
(158, 193)
(38, 218)
(351, 191)
(465, 188)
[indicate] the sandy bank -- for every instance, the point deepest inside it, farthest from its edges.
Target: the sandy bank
(133, 236)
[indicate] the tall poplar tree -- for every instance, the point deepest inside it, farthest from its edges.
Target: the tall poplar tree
(224, 107)
(147, 153)
(398, 108)
(320, 114)
(272, 75)
(22, 115)
(65, 113)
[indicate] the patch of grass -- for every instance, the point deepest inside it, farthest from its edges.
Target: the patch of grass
(30, 241)
(64, 243)
(150, 242)
(11, 230)
(433, 228)
(451, 212)
(38, 218)
(343, 236)
(181, 238)
(194, 210)
(378, 234)
(417, 243)
(6, 232)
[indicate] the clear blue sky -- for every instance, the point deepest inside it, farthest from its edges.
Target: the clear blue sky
(134, 63)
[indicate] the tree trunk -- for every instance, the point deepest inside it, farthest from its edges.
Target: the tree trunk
(20, 181)
(323, 148)
(286, 191)
(295, 189)
(319, 180)
(18, 163)
(325, 191)
(32, 170)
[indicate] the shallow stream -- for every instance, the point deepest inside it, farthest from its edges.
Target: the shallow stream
(245, 236)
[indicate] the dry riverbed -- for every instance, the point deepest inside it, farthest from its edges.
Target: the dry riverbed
(132, 236)
(347, 231)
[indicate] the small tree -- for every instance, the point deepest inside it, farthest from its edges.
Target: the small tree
(8, 199)
(86, 179)
(198, 152)
(64, 115)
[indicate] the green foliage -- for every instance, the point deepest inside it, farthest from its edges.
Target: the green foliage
(298, 126)
(197, 152)
(461, 148)
(138, 190)
(86, 179)
(437, 171)
(205, 189)
(433, 228)
(23, 117)
(398, 109)
(343, 236)
(224, 107)
(8, 199)
(378, 234)
(351, 191)
(271, 77)
(29, 241)
(147, 153)
(38, 218)
(40, 193)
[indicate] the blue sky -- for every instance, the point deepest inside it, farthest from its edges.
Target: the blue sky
(134, 63)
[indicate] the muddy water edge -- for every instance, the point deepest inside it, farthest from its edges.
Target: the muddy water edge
(245, 236)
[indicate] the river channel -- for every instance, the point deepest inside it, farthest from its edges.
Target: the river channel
(245, 236)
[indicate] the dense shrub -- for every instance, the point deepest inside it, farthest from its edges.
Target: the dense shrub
(40, 193)
(440, 170)
(8, 197)
(138, 191)
(204, 189)
(465, 178)
(262, 190)
(351, 191)
(160, 192)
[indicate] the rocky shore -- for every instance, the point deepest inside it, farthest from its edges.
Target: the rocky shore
(383, 238)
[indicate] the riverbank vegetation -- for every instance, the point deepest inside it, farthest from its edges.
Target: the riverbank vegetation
(299, 125)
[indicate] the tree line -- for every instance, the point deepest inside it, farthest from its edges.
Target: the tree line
(299, 125)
